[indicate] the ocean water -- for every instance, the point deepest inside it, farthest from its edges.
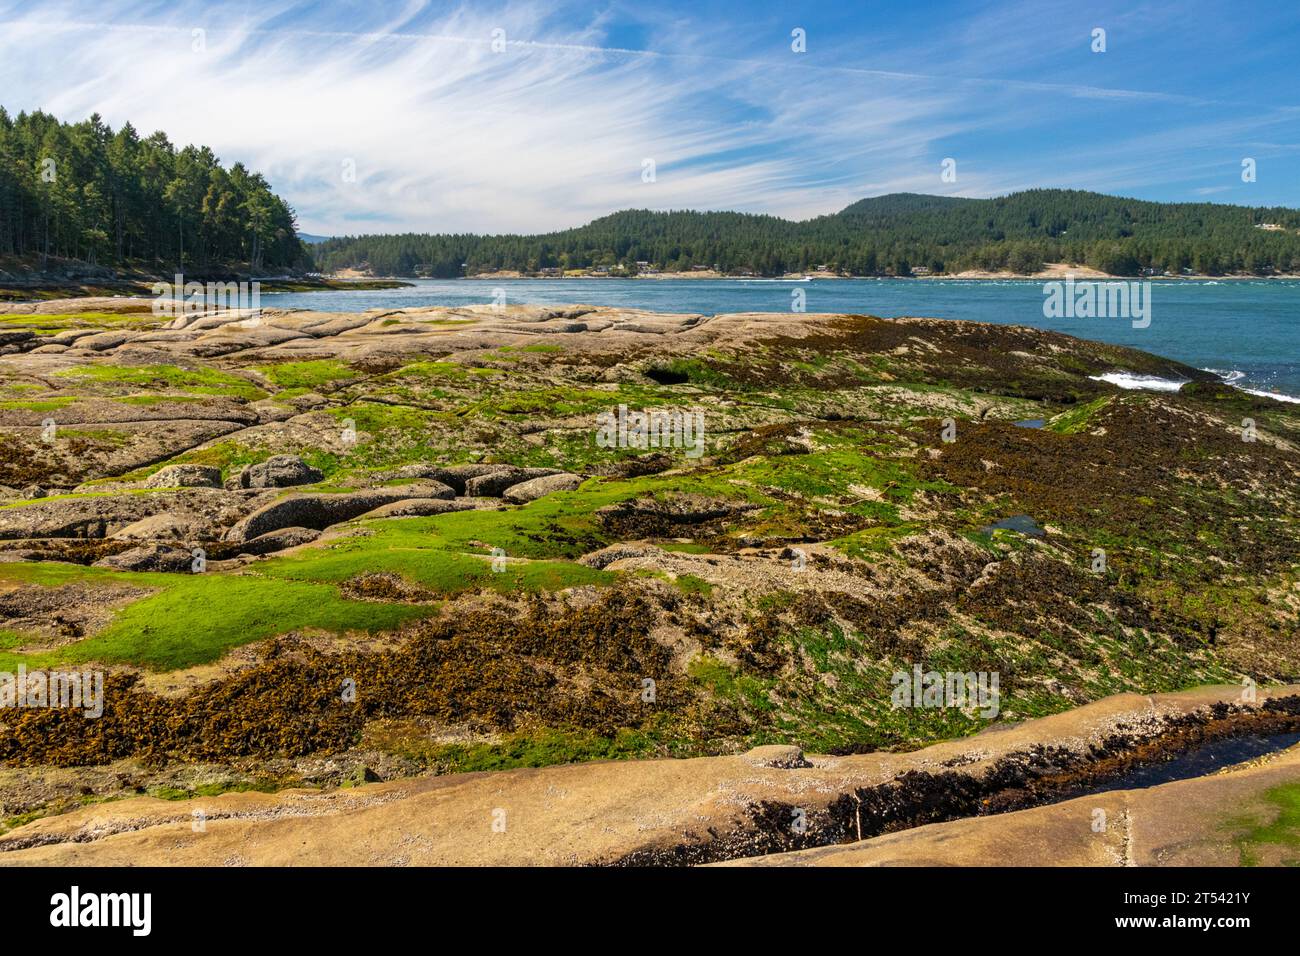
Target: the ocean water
(1245, 330)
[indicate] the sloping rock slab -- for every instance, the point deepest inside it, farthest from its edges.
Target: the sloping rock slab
(491, 485)
(322, 510)
(421, 507)
(160, 527)
(100, 516)
(185, 476)
(536, 488)
(150, 557)
(279, 471)
(438, 820)
(279, 540)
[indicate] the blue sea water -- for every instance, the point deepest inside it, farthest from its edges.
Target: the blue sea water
(1246, 330)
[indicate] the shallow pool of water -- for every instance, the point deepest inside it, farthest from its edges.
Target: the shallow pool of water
(1200, 761)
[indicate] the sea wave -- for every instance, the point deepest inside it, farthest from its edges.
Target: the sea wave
(1233, 376)
(1230, 377)
(1154, 383)
(1132, 380)
(1294, 400)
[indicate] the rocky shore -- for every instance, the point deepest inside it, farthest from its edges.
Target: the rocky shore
(359, 553)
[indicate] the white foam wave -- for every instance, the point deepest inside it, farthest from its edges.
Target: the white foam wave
(1132, 380)
(1229, 377)
(1233, 376)
(1277, 395)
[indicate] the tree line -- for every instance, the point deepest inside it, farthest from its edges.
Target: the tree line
(899, 234)
(83, 192)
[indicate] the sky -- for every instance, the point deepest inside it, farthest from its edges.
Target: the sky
(528, 117)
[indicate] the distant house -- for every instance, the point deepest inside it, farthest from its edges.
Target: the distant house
(920, 270)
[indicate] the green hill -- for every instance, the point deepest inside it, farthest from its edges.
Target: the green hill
(884, 235)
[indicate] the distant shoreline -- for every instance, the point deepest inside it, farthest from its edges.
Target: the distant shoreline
(29, 290)
(1053, 271)
(1080, 275)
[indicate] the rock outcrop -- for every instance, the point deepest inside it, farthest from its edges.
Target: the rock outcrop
(319, 511)
(279, 471)
(535, 488)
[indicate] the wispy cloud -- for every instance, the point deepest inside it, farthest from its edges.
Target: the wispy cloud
(547, 123)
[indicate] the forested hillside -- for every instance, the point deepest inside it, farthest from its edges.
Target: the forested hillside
(82, 191)
(888, 235)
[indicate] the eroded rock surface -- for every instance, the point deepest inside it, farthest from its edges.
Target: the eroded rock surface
(442, 506)
(667, 811)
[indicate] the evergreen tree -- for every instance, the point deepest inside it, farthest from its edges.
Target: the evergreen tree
(80, 191)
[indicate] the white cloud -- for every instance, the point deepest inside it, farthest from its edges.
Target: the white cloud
(448, 135)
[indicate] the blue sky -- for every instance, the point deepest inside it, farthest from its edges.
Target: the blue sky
(554, 127)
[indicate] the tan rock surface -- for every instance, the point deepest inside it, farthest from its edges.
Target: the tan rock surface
(598, 812)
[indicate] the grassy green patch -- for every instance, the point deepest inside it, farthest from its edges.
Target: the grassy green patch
(307, 375)
(541, 748)
(1077, 419)
(1282, 831)
(202, 381)
(195, 618)
(39, 405)
(442, 571)
(693, 584)
(750, 693)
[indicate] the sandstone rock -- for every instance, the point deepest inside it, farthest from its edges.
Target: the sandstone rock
(537, 487)
(159, 527)
(279, 540)
(616, 552)
(417, 470)
(651, 463)
(102, 515)
(102, 341)
(281, 471)
(307, 402)
(185, 476)
(493, 483)
(777, 756)
(319, 511)
(418, 507)
(454, 475)
(150, 557)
